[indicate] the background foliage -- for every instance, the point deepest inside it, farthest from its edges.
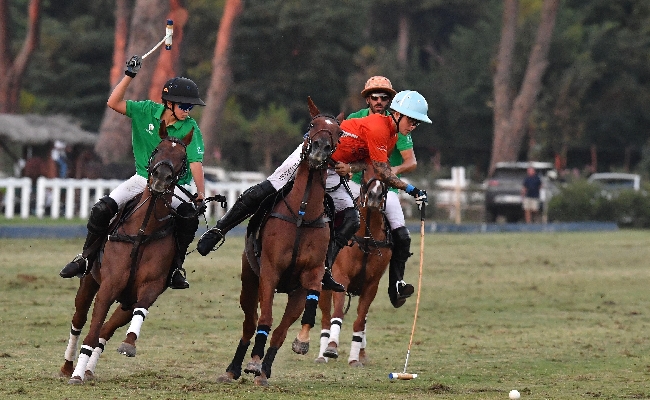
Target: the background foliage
(595, 90)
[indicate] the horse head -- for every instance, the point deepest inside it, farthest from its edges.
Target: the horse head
(168, 162)
(322, 138)
(373, 194)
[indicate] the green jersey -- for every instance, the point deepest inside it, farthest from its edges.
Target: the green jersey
(404, 142)
(145, 121)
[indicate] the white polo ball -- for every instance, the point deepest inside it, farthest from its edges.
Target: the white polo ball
(514, 394)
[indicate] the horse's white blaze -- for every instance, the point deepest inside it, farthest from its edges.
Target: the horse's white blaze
(92, 362)
(71, 350)
(355, 347)
(84, 356)
(139, 315)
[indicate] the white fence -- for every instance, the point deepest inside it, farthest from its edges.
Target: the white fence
(72, 198)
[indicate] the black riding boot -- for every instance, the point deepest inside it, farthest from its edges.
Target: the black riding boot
(100, 217)
(187, 222)
(398, 290)
(342, 235)
(244, 207)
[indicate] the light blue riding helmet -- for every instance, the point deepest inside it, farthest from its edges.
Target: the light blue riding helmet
(412, 104)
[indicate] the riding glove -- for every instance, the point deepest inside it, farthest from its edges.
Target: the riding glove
(133, 66)
(419, 195)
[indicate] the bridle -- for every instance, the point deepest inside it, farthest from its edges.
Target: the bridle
(307, 145)
(176, 175)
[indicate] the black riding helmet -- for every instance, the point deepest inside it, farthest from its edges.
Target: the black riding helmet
(182, 90)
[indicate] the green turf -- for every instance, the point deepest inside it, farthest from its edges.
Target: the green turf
(555, 316)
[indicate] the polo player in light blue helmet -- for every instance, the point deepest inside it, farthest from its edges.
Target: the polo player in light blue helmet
(413, 106)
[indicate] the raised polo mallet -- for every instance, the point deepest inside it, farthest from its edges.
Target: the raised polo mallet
(403, 375)
(167, 39)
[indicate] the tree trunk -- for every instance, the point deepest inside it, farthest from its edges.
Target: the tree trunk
(403, 40)
(168, 62)
(220, 80)
(147, 28)
(122, 17)
(511, 117)
(12, 69)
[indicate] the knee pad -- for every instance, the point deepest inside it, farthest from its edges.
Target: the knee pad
(402, 244)
(186, 221)
(348, 227)
(254, 195)
(101, 214)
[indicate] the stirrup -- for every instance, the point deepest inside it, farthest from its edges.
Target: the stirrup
(221, 238)
(404, 290)
(184, 284)
(77, 267)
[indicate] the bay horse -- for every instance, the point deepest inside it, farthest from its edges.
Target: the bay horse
(134, 265)
(359, 268)
(294, 241)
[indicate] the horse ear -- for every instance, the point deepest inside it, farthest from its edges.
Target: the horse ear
(162, 132)
(313, 110)
(340, 117)
(188, 138)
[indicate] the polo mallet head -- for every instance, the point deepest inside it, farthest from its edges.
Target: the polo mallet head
(167, 39)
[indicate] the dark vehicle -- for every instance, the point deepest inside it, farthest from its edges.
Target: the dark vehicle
(503, 189)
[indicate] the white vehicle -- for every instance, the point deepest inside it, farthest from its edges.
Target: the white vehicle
(616, 181)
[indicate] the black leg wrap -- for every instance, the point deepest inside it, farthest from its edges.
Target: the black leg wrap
(267, 363)
(238, 359)
(260, 340)
(311, 304)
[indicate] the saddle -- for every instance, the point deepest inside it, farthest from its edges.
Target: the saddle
(255, 229)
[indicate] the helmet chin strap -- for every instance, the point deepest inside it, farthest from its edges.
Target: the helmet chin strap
(397, 121)
(171, 109)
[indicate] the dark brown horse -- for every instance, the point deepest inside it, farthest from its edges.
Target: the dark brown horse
(359, 268)
(294, 242)
(135, 265)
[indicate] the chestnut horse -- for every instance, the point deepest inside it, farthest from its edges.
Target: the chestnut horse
(294, 242)
(359, 268)
(135, 264)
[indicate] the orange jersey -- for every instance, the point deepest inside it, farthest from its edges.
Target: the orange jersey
(371, 138)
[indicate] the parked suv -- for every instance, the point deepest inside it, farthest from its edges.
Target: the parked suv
(503, 189)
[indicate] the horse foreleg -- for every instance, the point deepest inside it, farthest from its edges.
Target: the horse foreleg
(147, 295)
(331, 351)
(103, 302)
(359, 326)
(83, 300)
(325, 306)
(248, 299)
(119, 318)
(301, 343)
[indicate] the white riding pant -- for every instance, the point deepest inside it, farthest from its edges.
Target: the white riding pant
(135, 185)
(287, 171)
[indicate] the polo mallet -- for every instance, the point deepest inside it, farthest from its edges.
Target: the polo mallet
(167, 39)
(403, 375)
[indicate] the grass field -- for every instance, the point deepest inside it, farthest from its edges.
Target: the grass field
(555, 316)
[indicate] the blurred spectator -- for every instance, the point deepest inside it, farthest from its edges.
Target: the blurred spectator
(530, 192)
(59, 156)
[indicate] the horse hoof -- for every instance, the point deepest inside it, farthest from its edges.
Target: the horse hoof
(331, 352)
(321, 360)
(126, 349)
(355, 364)
(89, 375)
(225, 378)
(66, 370)
(76, 380)
(364, 359)
(299, 347)
(253, 368)
(261, 381)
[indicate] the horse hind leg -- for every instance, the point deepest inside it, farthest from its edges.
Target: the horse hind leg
(233, 372)
(325, 306)
(119, 318)
(267, 363)
(368, 294)
(83, 300)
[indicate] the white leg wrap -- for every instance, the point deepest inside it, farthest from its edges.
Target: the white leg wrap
(324, 341)
(84, 356)
(92, 363)
(139, 314)
(335, 330)
(355, 347)
(71, 350)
